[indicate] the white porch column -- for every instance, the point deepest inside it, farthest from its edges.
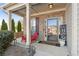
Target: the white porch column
(28, 24)
(9, 19)
(24, 25)
(74, 29)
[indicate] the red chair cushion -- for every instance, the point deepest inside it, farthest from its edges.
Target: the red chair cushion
(23, 39)
(33, 37)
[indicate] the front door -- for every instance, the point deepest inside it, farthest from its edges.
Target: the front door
(52, 29)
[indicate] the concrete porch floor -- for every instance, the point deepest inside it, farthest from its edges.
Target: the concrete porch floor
(49, 50)
(41, 50)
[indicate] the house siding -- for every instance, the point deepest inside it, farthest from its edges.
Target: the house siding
(71, 21)
(78, 27)
(69, 27)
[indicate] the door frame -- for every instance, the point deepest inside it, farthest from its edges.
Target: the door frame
(58, 27)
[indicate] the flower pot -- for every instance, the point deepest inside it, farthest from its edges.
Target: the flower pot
(62, 42)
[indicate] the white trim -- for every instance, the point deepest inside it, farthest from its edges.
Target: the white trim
(45, 31)
(15, 6)
(2, 6)
(24, 25)
(57, 25)
(10, 21)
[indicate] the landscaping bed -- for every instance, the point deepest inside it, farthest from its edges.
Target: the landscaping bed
(6, 37)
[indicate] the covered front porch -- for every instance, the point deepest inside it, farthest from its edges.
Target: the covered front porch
(35, 19)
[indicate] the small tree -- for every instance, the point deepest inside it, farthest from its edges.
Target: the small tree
(4, 25)
(13, 25)
(19, 28)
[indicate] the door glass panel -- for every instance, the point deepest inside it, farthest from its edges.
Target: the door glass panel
(52, 29)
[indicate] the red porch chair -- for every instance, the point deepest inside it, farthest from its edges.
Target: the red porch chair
(34, 37)
(23, 39)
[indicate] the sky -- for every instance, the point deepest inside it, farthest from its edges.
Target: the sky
(4, 16)
(52, 21)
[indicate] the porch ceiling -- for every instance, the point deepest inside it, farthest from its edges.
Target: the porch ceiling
(35, 8)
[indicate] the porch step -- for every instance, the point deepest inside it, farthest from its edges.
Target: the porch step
(55, 43)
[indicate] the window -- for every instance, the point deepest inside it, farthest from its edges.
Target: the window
(33, 25)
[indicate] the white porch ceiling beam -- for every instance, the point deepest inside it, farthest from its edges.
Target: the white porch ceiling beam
(47, 12)
(19, 14)
(15, 7)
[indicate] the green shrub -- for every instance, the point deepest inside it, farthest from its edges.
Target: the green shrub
(4, 25)
(6, 37)
(13, 25)
(19, 28)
